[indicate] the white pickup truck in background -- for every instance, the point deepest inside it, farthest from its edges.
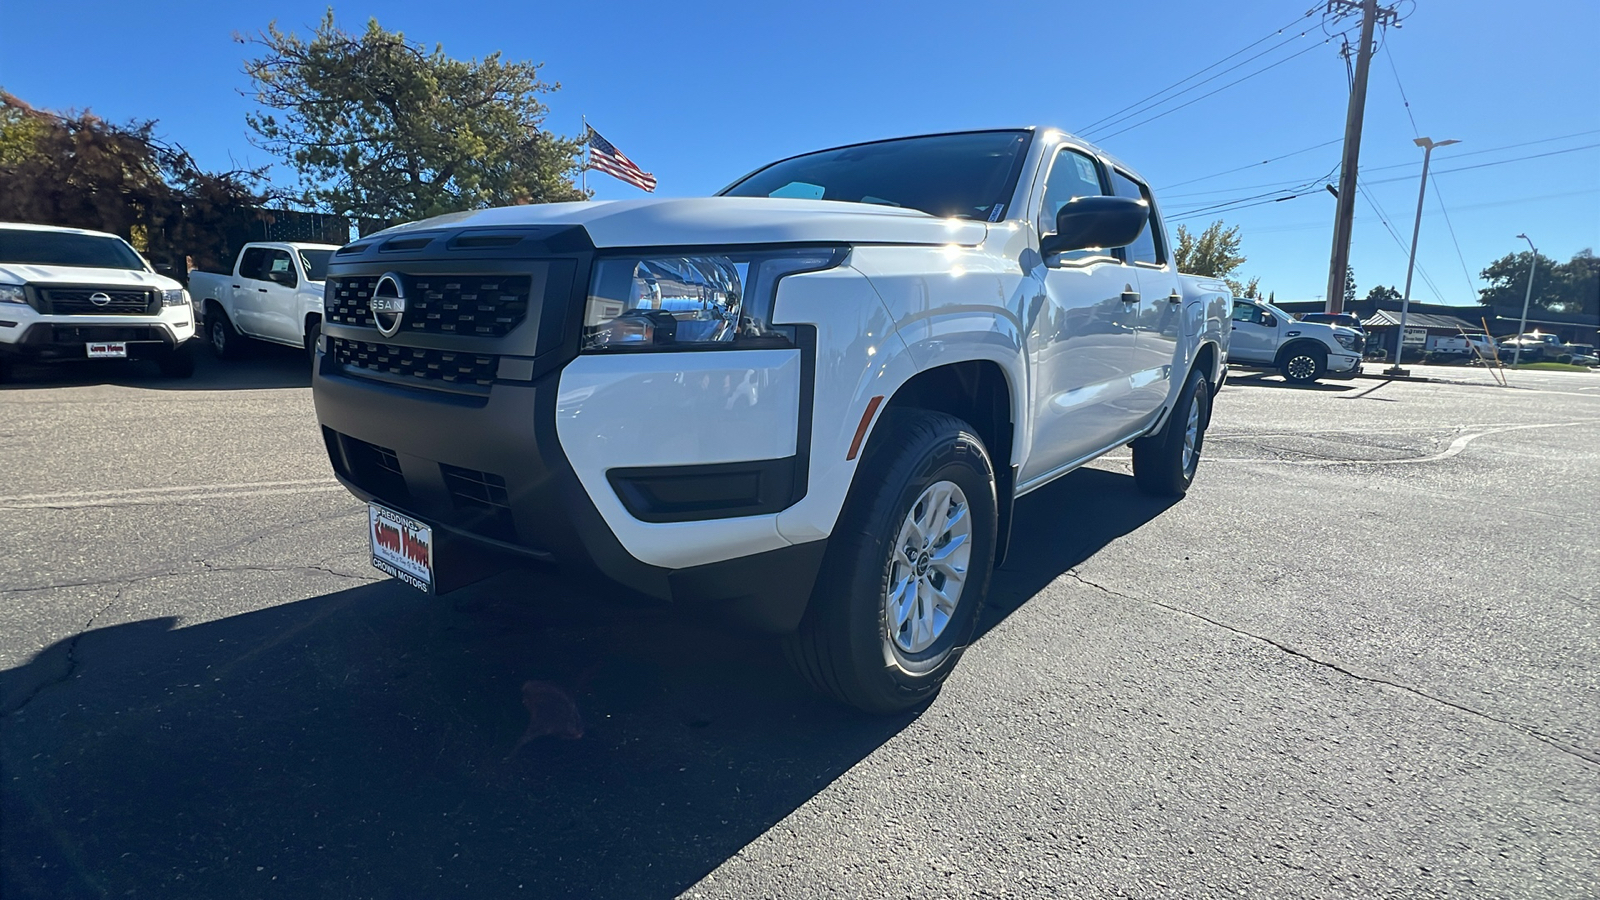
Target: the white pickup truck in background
(273, 295)
(1266, 337)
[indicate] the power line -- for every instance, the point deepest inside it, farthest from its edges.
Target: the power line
(1308, 14)
(1547, 140)
(1498, 162)
(1384, 218)
(1438, 196)
(1144, 122)
(1253, 165)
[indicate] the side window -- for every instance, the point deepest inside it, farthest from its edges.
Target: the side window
(280, 269)
(1149, 247)
(1246, 312)
(1071, 175)
(250, 264)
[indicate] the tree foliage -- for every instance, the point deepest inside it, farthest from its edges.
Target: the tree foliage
(1213, 253)
(1349, 285)
(1569, 287)
(1381, 294)
(78, 170)
(379, 128)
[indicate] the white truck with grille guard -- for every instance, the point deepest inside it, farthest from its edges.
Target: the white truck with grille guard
(274, 294)
(68, 294)
(806, 404)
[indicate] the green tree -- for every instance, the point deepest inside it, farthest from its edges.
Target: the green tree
(78, 170)
(1349, 285)
(1214, 252)
(1381, 294)
(379, 128)
(1571, 287)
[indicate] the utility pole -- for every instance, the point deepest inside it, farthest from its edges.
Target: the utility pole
(1522, 327)
(1427, 145)
(1372, 15)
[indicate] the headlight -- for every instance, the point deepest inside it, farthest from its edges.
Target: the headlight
(693, 301)
(179, 297)
(1348, 341)
(12, 293)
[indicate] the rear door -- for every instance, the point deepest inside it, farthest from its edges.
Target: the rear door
(247, 298)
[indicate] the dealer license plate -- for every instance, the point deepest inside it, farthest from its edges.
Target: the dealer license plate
(107, 349)
(402, 547)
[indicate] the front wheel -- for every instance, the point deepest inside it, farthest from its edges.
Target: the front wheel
(226, 342)
(1303, 365)
(907, 567)
(313, 336)
(1165, 462)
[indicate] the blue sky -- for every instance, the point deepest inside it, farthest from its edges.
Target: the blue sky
(700, 92)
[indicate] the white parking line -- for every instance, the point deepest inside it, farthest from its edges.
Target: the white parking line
(173, 494)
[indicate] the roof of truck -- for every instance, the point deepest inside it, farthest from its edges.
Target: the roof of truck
(27, 226)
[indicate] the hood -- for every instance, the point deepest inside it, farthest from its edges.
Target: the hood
(723, 220)
(17, 273)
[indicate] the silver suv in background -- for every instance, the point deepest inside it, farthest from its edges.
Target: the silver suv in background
(1266, 337)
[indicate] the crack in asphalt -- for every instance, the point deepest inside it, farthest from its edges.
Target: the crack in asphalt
(72, 658)
(1580, 753)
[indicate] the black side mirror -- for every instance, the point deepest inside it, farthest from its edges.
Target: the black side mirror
(286, 279)
(1269, 320)
(1086, 222)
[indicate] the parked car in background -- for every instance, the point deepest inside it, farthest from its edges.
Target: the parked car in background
(1266, 337)
(886, 343)
(1537, 346)
(1347, 320)
(69, 294)
(1583, 354)
(274, 294)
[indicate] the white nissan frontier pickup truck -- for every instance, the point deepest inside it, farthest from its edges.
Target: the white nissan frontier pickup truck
(807, 404)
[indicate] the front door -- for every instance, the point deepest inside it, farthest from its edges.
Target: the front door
(1080, 334)
(1255, 334)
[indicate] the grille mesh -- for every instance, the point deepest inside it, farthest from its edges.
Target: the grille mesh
(75, 301)
(446, 366)
(477, 305)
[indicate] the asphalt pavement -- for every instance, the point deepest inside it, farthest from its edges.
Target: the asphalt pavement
(1359, 660)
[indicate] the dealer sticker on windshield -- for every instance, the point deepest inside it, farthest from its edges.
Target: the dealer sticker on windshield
(402, 547)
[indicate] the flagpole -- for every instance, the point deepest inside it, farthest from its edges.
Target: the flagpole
(585, 173)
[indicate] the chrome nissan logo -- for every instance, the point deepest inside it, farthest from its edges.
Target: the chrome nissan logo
(100, 298)
(388, 304)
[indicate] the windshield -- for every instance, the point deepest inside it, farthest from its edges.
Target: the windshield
(1287, 317)
(968, 176)
(315, 262)
(63, 248)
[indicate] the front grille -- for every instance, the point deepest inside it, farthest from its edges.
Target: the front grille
(477, 305)
(444, 366)
(75, 301)
(481, 500)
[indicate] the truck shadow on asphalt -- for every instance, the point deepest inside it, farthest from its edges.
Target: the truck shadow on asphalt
(1272, 380)
(364, 742)
(265, 367)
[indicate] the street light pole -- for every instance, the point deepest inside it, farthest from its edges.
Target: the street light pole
(1427, 145)
(1522, 328)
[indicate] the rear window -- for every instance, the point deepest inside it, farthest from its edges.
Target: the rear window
(63, 248)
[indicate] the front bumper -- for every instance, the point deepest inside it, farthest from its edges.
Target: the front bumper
(59, 338)
(1343, 366)
(490, 470)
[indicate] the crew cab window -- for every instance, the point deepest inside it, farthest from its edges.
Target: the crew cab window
(280, 268)
(1149, 247)
(1247, 312)
(252, 263)
(1072, 175)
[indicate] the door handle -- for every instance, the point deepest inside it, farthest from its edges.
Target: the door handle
(1174, 297)
(262, 290)
(1130, 296)
(236, 285)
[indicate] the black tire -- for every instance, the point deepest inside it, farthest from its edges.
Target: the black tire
(225, 340)
(1161, 465)
(6, 371)
(846, 646)
(1303, 363)
(178, 362)
(313, 334)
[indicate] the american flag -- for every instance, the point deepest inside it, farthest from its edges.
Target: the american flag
(608, 159)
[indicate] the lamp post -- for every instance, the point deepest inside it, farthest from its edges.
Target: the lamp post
(1522, 328)
(1427, 145)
